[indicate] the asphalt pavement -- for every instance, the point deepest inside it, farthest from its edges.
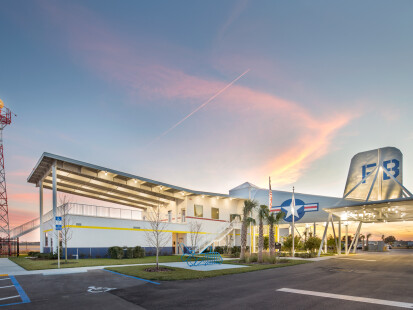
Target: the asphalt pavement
(366, 281)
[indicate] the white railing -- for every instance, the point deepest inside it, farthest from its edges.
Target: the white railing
(78, 209)
(219, 235)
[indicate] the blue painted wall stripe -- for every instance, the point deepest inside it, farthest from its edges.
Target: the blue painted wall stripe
(20, 290)
(132, 277)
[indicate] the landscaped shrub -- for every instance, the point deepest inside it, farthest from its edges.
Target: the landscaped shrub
(115, 252)
(312, 244)
(138, 252)
(129, 252)
(33, 254)
(219, 249)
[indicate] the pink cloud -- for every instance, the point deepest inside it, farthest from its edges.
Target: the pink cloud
(116, 60)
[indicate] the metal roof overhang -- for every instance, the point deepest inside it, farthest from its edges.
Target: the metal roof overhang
(92, 181)
(393, 210)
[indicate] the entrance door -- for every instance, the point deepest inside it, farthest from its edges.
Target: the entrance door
(174, 245)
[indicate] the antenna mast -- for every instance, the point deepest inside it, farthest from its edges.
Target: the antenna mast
(5, 119)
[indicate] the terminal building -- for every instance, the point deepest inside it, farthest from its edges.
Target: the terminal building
(374, 192)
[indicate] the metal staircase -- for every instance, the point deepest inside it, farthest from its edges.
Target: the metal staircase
(228, 228)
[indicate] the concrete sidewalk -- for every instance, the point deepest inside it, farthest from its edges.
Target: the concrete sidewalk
(10, 268)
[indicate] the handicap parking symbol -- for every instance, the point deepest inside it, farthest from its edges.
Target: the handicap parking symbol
(94, 289)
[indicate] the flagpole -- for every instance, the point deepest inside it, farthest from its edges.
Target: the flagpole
(292, 211)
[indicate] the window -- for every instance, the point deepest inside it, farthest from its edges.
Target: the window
(215, 213)
(234, 217)
(198, 211)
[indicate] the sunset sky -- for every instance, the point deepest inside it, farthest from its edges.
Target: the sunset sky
(108, 82)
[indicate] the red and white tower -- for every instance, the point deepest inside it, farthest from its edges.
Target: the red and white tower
(5, 119)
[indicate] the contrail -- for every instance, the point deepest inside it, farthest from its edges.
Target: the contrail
(199, 108)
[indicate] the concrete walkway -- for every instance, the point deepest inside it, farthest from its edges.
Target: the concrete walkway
(10, 268)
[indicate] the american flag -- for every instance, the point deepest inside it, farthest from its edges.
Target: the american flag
(270, 195)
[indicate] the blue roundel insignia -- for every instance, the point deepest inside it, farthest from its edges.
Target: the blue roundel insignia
(300, 209)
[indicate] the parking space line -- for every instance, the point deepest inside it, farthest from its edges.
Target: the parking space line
(4, 279)
(4, 298)
(6, 286)
(20, 290)
(366, 260)
(132, 277)
(349, 298)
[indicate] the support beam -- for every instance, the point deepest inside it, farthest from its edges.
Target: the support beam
(346, 241)
(54, 237)
(356, 238)
(334, 232)
(41, 216)
(324, 236)
(339, 236)
(78, 190)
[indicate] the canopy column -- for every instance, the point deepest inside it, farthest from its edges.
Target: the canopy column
(41, 216)
(54, 237)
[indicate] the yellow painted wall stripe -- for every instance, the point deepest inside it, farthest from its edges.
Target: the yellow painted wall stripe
(133, 229)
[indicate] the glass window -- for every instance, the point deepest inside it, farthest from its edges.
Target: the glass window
(234, 216)
(215, 213)
(198, 211)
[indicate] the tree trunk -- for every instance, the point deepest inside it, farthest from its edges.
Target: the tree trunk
(260, 241)
(65, 250)
(271, 240)
(157, 258)
(243, 240)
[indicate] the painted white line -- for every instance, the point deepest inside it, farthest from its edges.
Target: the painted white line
(5, 279)
(366, 260)
(6, 286)
(350, 298)
(9, 297)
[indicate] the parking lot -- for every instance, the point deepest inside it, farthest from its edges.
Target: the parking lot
(366, 281)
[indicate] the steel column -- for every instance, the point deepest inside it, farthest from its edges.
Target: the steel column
(41, 216)
(339, 236)
(54, 237)
(324, 236)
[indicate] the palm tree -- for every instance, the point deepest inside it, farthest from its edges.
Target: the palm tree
(249, 205)
(262, 215)
(273, 220)
(362, 237)
(367, 240)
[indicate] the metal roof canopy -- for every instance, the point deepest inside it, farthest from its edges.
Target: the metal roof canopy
(92, 181)
(383, 211)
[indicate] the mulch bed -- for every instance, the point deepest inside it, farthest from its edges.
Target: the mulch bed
(160, 269)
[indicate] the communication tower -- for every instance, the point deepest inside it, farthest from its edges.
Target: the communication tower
(5, 119)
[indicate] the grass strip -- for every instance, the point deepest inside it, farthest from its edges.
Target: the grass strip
(30, 264)
(188, 274)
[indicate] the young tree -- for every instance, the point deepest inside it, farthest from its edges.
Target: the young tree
(63, 211)
(249, 205)
(273, 220)
(288, 242)
(157, 237)
(390, 240)
(195, 228)
(262, 215)
(312, 244)
(66, 234)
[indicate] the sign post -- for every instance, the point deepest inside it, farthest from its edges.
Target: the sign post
(58, 223)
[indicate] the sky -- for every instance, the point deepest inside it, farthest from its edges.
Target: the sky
(206, 94)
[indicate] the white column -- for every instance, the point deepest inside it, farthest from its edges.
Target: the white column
(346, 243)
(339, 236)
(41, 216)
(55, 240)
(233, 236)
(177, 214)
